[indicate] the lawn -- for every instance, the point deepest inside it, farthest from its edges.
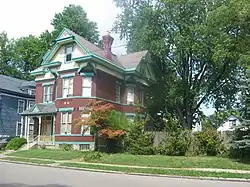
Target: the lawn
(29, 160)
(48, 154)
(159, 171)
(126, 159)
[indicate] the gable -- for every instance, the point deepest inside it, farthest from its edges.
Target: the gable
(145, 68)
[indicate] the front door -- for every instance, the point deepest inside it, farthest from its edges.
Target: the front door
(46, 128)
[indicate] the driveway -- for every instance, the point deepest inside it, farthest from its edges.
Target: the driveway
(18, 175)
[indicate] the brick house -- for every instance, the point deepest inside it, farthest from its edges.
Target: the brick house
(74, 73)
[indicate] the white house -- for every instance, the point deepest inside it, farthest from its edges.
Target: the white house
(229, 125)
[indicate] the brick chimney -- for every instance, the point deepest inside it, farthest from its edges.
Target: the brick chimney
(108, 41)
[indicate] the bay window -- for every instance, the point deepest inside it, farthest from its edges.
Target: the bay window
(130, 95)
(86, 86)
(47, 93)
(67, 87)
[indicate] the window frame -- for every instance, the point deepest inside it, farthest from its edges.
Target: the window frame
(18, 106)
(67, 123)
(68, 88)
(68, 46)
(89, 87)
(30, 103)
(142, 97)
(118, 92)
(49, 93)
(87, 132)
(133, 92)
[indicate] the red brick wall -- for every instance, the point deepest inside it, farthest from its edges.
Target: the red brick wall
(74, 138)
(59, 88)
(39, 92)
(58, 126)
(75, 129)
(105, 85)
(77, 85)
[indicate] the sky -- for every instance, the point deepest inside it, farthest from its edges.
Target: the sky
(24, 17)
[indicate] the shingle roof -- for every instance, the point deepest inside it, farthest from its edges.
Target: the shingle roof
(46, 108)
(130, 60)
(15, 85)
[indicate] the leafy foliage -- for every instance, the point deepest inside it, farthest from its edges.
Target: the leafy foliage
(92, 156)
(240, 147)
(66, 147)
(16, 143)
(193, 47)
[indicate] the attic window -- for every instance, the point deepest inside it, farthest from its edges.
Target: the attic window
(68, 52)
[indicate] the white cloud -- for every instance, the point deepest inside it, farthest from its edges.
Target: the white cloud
(21, 18)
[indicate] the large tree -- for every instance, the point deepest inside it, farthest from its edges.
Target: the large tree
(196, 52)
(75, 18)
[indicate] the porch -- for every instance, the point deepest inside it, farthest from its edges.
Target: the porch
(39, 125)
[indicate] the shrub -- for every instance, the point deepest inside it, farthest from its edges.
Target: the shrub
(16, 143)
(67, 147)
(210, 142)
(139, 142)
(92, 156)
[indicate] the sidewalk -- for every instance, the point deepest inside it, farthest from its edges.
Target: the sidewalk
(58, 162)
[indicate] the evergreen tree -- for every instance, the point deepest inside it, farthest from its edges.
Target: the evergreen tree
(240, 147)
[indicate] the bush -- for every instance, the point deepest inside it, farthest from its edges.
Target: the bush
(139, 142)
(210, 142)
(67, 147)
(92, 156)
(16, 143)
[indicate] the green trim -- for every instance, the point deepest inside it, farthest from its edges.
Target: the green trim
(50, 52)
(66, 109)
(91, 143)
(65, 39)
(68, 75)
(47, 83)
(60, 35)
(87, 57)
(87, 74)
(40, 72)
(81, 46)
(65, 70)
(41, 80)
(73, 135)
(50, 64)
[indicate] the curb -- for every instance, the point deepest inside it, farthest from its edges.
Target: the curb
(133, 174)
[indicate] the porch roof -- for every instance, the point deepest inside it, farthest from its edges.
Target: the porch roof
(40, 109)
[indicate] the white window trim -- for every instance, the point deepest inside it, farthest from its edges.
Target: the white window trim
(63, 133)
(85, 86)
(18, 105)
(133, 95)
(30, 103)
(142, 97)
(87, 132)
(68, 87)
(118, 92)
(68, 46)
(50, 89)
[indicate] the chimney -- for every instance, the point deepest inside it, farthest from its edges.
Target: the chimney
(108, 41)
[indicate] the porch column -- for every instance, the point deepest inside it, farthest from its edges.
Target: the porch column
(54, 128)
(39, 127)
(26, 127)
(21, 133)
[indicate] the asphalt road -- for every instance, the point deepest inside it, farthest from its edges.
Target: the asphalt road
(17, 175)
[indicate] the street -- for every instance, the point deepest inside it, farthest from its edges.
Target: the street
(18, 175)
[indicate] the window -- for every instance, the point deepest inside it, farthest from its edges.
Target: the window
(85, 129)
(118, 93)
(18, 128)
(68, 53)
(31, 104)
(84, 146)
(67, 87)
(32, 91)
(86, 86)
(142, 98)
(130, 95)
(20, 107)
(47, 93)
(232, 123)
(66, 123)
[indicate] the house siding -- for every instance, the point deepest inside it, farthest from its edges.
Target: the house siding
(8, 113)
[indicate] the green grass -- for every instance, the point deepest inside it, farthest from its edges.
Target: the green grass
(153, 161)
(28, 160)
(173, 161)
(159, 171)
(48, 154)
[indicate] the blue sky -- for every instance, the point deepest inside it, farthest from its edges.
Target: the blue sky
(23, 17)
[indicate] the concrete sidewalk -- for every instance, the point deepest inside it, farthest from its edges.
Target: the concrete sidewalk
(58, 162)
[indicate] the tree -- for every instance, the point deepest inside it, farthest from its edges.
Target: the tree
(8, 66)
(103, 121)
(28, 54)
(195, 59)
(240, 147)
(75, 18)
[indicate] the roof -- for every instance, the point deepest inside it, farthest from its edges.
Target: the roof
(15, 85)
(46, 108)
(127, 61)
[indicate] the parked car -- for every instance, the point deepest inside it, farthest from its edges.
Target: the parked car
(4, 142)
